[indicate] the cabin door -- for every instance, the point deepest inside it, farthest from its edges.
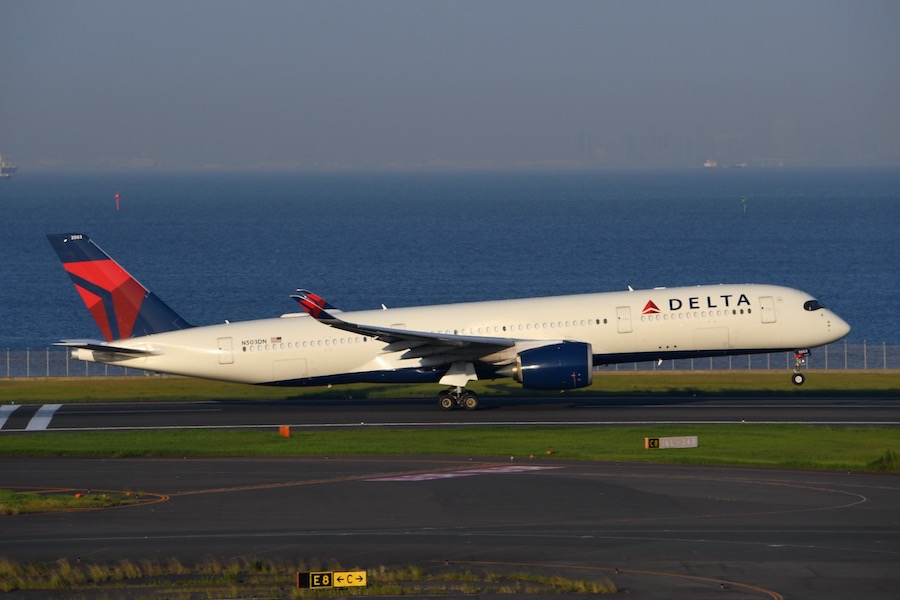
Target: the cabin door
(226, 356)
(767, 305)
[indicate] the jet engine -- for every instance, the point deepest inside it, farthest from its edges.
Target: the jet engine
(561, 366)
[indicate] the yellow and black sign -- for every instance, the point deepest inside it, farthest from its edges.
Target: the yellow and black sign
(349, 579)
(329, 579)
(316, 579)
(686, 441)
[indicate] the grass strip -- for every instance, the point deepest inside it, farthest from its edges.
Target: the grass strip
(640, 383)
(788, 446)
(265, 578)
(20, 503)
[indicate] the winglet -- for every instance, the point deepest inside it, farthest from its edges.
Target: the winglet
(314, 304)
(120, 305)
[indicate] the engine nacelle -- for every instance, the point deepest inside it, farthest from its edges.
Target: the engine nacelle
(562, 366)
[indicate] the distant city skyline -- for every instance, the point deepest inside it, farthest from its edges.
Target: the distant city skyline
(395, 85)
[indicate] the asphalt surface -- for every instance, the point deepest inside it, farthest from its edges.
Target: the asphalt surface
(832, 411)
(655, 531)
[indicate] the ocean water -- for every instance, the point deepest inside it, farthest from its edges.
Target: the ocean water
(219, 246)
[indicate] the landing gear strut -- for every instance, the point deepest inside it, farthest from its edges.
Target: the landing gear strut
(799, 362)
(458, 397)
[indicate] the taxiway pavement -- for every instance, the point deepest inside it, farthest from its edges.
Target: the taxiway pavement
(656, 531)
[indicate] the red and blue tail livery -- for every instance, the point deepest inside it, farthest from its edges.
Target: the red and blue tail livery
(120, 305)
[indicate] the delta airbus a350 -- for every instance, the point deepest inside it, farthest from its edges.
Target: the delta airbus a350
(551, 343)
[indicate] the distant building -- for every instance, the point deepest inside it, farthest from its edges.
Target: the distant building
(6, 168)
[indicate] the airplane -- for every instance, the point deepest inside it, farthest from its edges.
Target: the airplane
(549, 343)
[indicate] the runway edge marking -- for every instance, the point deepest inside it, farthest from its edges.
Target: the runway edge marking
(6, 411)
(41, 419)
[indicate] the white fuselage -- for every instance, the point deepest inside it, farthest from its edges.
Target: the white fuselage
(710, 320)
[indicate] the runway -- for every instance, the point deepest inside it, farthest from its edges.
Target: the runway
(655, 531)
(607, 411)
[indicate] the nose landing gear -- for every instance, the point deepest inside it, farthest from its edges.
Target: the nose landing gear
(799, 362)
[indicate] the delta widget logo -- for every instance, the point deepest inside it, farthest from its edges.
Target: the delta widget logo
(650, 309)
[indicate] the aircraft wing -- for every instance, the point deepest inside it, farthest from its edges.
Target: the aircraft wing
(417, 344)
(101, 346)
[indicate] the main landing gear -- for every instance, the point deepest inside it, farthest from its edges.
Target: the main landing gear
(799, 362)
(458, 397)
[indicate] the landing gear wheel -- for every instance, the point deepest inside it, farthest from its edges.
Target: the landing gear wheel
(799, 362)
(446, 401)
(458, 397)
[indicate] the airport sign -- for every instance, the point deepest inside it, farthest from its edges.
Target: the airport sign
(331, 579)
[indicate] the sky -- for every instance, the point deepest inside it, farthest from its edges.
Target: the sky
(294, 85)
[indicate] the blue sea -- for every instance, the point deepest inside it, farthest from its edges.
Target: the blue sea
(233, 246)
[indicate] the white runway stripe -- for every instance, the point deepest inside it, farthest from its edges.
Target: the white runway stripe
(5, 411)
(41, 419)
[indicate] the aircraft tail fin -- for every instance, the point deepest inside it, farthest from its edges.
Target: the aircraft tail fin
(120, 305)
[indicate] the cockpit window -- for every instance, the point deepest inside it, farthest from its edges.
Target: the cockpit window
(812, 305)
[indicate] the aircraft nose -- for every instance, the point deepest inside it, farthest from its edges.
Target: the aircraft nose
(838, 326)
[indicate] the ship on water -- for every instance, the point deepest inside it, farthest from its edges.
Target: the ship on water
(6, 168)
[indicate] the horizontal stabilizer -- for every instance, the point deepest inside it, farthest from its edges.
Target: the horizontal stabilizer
(101, 346)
